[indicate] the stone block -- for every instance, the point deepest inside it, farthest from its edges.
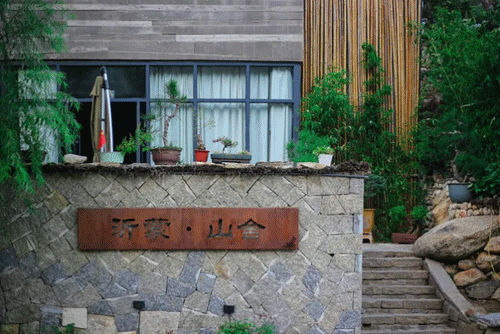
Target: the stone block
(30, 328)
(170, 267)
(192, 268)
(73, 261)
(357, 186)
(100, 324)
(56, 202)
(342, 244)
(127, 322)
(197, 301)
(152, 192)
(23, 314)
(350, 320)
(45, 257)
(100, 307)
(216, 305)
(153, 283)
(241, 281)
(39, 293)
(150, 321)
(9, 329)
(315, 310)
(54, 274)
(76, 316)
(86, 297)
(352, 203)
(205, 283)
(345, 262)
(264, 197)
(142, 265)
(311, 279)
(134, 199)
(8, 259)
(179, 289)
(162, 302)
(181, 194)
(280, 272)
(22, 247)
(331, 205)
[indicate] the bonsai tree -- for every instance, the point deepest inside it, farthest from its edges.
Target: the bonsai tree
(174, 98)
(199, 143)
(226, 142)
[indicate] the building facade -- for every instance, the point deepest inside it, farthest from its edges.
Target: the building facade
(237, 62)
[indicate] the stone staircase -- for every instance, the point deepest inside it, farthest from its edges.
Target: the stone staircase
(397, 297)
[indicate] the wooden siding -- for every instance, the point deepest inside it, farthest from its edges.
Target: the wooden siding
(335, 30)
(218, 30)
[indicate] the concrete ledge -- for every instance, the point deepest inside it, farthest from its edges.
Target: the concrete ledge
(448, 289)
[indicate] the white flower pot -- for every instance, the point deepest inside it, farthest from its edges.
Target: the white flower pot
(325, 159)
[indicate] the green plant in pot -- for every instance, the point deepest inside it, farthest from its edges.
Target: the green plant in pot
(241, 157)
(140, 138)
(325, 154)
(168, 154)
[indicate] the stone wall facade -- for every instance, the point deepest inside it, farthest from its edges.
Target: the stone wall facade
(45, 280)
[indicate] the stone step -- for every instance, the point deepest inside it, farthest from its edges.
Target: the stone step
(383, 274)
(404, 319)
(425, 296)
(397, 262)
(410, 290)
(395, 281)
(400, 303)
(422, 329)
(386, 250)
(398, 310)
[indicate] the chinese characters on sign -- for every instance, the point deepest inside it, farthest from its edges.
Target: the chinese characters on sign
(187, 228)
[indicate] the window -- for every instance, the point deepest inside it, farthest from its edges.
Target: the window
(253, 104)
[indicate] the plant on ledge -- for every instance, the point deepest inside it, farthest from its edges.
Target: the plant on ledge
(200, 153)
(241, 157)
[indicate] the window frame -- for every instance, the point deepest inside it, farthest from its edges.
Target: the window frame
(294, 100)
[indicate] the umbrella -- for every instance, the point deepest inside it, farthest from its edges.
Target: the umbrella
(100, 117)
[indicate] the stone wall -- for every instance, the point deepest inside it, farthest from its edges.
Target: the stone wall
(45, 280)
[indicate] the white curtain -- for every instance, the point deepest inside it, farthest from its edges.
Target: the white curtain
(270, 124)
(180, 131)
(221, 119)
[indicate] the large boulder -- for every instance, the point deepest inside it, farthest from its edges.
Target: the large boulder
(456, 239)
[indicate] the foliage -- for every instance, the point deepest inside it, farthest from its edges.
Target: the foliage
(226, 142)
(419, 212)
(463, 61)
(68, 329)
(361, 134)
(323, 150)
(30, 106)
(327, 118)
(396, 216)
(140, 138)
(245, 327)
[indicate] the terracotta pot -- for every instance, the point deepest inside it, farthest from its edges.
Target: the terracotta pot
(201, 155)
(404, 238)
(164, 156)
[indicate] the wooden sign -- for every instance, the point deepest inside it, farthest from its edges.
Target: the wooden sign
(188, 228)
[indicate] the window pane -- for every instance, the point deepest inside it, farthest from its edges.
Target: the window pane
(125, 81)
(270, 131)
(222, 119)
(180, 131)
(161, 75)
(271, 83)
(217, 82)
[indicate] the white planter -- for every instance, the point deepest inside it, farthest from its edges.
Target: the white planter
(325, 159)
(114, 157)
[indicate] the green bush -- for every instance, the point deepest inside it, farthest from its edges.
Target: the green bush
(245, 327)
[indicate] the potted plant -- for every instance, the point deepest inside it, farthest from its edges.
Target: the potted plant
(398, 216)
(168, 154)
(200, 153)
(325, 155)
(141, 138)
(241, 157)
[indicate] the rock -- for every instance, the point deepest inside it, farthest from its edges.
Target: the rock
(485, 262)
(493, 245)
(475, 311)
(469, 277)
(440, 211)
(496, 295)
(456, 239)
(310, 165)
(491, 320)
(451, 269)
(74, 159)
(482, 290)
(466, 264)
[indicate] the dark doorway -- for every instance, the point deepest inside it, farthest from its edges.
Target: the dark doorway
(124, 115)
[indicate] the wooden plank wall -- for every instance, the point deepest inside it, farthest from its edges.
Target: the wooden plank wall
(213, 30)
(334, 31)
